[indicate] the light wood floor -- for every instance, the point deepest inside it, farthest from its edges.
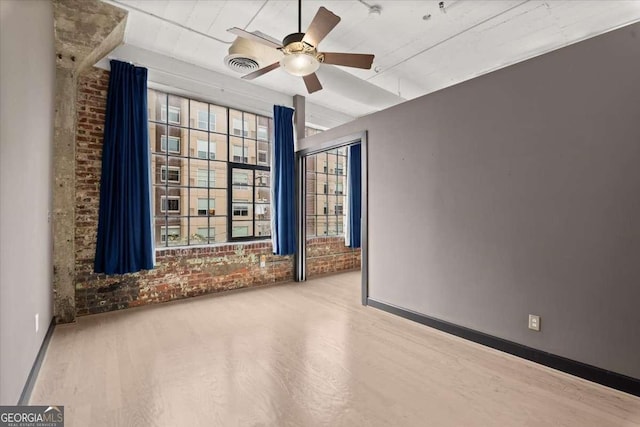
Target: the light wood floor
(302, 355)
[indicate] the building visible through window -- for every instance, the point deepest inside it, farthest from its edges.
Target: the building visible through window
(211, 173)
(325, 191)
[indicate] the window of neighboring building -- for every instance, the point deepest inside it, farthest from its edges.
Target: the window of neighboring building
(174, 114)
(241, 231)
(172, 232)
(240, 154)
(206, 206)
(173, 142)
(193, 143)
(240, 128)
(339, 189)
(206, 150)
(262, 158)
(206, 179)
(240, 210)
(170, 204)
(263, 133)
(170, 174)
(202, 121)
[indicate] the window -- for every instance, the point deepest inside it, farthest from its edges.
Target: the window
(206, 208)
(174, 143)
(208, 187)
(240, 210)
(325, 197)
(263, 133)
(170, 204)
(174, 114)
(240, 154)
(240, 179)
(206, 178)
(207, 234)
(203, 153)
(202, 121)
(172, 174)
(262, 157)
(241, 231)
(240, 128)
(173, 233)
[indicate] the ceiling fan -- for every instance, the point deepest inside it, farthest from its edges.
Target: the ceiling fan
(301, 56)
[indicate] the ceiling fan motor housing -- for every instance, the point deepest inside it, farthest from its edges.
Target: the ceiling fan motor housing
(292, 38)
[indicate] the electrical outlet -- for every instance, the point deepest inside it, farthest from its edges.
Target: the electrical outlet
(263, 261)
(534, 322)
(37, 322)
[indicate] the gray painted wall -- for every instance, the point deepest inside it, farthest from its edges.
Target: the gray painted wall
(513, 193)
(27, 84)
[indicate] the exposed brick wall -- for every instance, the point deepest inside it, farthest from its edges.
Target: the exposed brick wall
(330, 255)
(179, 273)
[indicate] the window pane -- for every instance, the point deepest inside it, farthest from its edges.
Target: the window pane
(218, 146)
(220, 114)
(249, 125)
(175, 142)
(236, 121)
(198, 144)
(155, 102)
(242, 229)
(239, 154)
(218, 172)
(170, 201)
(199, 118)
(157, 134)
(264, 154)
(250, 151)
(160, 231)
(178, 111)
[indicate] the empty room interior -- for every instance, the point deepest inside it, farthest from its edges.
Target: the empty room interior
(320, 212)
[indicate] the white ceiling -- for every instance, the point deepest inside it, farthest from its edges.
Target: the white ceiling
(413, 56)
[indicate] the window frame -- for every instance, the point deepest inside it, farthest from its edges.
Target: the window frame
(164, 174)
(186, 199)
(164, 198)
(164, 144)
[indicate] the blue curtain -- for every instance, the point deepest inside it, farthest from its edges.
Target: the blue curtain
(283, 224)
(125, 234)
(354, 196)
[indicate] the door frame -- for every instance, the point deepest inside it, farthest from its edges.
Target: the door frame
(301, 182)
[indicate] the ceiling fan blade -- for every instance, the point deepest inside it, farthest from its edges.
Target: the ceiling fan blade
(312, 83)
(320, 26)
(247, 35)
(261, 71)
(356, 60)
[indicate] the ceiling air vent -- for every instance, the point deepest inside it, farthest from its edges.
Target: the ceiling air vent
(241, 64)
(244, 56)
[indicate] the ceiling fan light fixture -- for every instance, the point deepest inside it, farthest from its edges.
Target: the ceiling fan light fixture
(300, 64)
